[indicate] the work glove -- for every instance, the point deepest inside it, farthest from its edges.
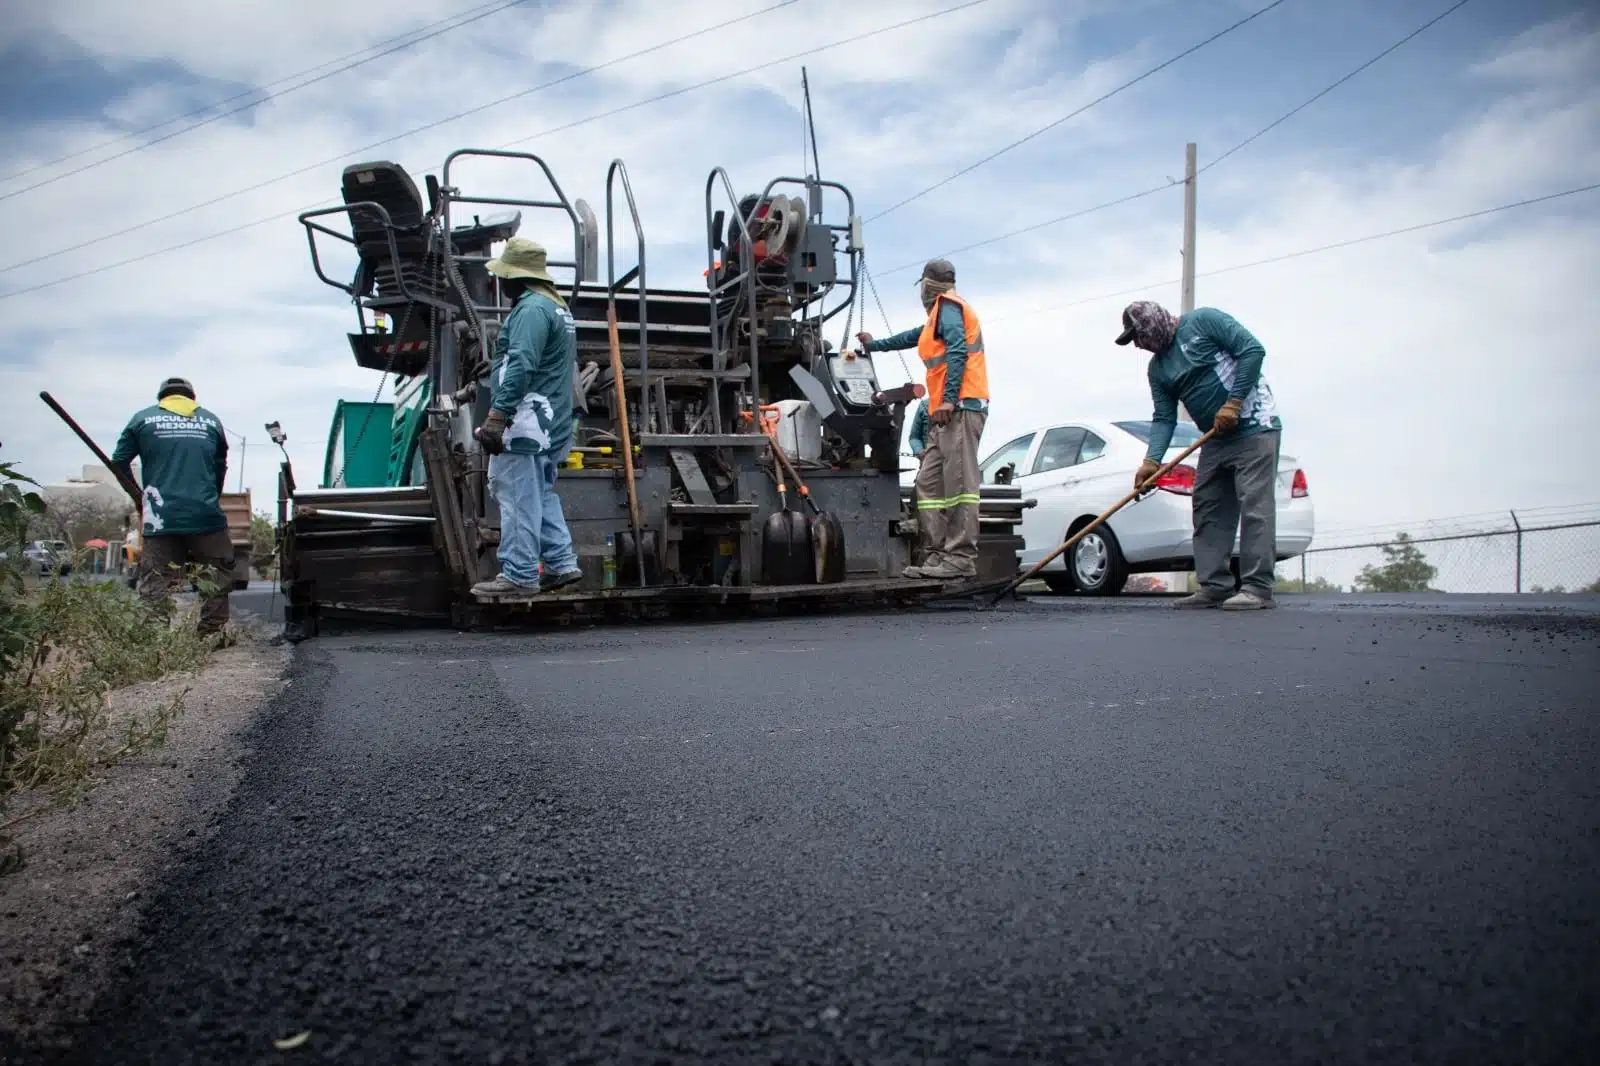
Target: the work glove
(492, 434)
(1227, 419)
(940, 416)
(1147, 470)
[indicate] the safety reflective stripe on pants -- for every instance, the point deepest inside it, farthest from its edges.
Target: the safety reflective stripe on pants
(949, 502)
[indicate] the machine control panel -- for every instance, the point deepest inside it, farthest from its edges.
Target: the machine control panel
(855, 378)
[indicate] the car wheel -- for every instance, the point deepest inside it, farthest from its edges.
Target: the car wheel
(1096, 565)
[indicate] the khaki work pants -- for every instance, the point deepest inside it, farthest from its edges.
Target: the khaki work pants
(947, 492)
(163, 570)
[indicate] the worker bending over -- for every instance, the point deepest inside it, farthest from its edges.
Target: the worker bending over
(950, 345)
(529, 425)
(1213, 364)
(183, 461)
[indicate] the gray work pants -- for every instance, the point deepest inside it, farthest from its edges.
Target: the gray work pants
(1234, 492)
(164, 568)
(947, 491)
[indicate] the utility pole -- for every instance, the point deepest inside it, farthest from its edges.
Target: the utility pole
(1188, 228)
(243, 445)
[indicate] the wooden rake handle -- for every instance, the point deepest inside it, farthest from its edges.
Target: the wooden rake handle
(1067, 544)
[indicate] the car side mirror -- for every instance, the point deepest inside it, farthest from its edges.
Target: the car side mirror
(1004, 475)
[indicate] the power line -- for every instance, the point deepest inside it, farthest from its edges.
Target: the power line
(1064, 118)
(267, 97)
(1048, 222)
(1328, 247)
(1290, 114)
(1171, 183)
(555, 129)
(791, 57)
(197, 112)
(319, 164)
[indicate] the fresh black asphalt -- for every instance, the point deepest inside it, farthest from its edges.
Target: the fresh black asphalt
(1067, 832)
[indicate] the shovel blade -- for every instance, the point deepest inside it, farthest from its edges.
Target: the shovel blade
(827, 548)
(786, 556)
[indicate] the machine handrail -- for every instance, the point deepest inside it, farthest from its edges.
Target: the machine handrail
(748, 277)
(850, 214)
(313, 228)
(617, 168)
(449, 194)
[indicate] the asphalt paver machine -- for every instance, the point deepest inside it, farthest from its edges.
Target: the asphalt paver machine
(713, 381)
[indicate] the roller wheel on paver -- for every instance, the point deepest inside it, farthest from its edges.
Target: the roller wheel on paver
(1095, 565)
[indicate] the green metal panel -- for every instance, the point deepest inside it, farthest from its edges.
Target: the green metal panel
(358, 446)
(409, 422)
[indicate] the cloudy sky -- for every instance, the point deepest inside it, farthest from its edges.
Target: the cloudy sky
(1442, 372)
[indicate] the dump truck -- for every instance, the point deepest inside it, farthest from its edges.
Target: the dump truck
(683, 399)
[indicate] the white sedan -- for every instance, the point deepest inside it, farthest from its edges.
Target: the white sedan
(1079, 469)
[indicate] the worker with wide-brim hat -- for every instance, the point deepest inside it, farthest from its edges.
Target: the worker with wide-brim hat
(529, 426)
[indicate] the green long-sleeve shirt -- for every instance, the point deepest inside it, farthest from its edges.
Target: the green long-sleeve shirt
(953, 331)
(919, 428)
(1211, 359)
(183, 458)
(534, 357)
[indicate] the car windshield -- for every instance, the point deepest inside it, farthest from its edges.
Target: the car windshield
(1183, 434)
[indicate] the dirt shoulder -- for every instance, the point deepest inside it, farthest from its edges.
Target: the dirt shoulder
(68, 918)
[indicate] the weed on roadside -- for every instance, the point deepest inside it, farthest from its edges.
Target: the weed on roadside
(64, 648)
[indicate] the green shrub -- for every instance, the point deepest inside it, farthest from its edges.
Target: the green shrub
(64, 648)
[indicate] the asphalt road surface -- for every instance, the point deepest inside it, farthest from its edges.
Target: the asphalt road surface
(1067, 832)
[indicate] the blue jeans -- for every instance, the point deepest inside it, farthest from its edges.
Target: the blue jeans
(532, 527)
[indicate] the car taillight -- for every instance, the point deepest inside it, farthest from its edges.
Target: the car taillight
(1179, 479)
(1299, 489)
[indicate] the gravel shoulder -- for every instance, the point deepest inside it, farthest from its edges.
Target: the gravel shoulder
(70, 916)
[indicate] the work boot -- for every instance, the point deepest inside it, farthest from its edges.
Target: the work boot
(913, 573)
(550, 582)
(1198, 600)
(501, 585)
(945, 570)
(1246, 600)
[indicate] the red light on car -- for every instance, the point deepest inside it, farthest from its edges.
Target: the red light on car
(1180, 479)
(1299, 489)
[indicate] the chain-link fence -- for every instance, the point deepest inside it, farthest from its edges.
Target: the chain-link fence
(1543, 551)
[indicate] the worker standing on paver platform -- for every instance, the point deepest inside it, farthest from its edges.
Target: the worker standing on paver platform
(183, 460)
(529, 426)
(950, 345)
(1213, 364)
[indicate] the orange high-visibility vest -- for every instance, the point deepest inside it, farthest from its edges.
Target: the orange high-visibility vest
(931, 349)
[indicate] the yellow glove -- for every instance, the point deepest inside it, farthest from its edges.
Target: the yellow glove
(1227, 419)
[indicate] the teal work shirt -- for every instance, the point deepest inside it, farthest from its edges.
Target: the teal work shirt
(1211, 359)
(534, 358)
(183, 458)
(919, 428)
(953, 331)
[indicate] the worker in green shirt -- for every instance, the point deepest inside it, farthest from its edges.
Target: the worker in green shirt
(183, 459)
(529, 426)
(919, 429)
(1212, 364)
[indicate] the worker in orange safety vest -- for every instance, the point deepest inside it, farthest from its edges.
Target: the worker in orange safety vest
(950, 345)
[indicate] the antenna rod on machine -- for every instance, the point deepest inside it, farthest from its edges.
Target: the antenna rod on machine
(811, 124)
